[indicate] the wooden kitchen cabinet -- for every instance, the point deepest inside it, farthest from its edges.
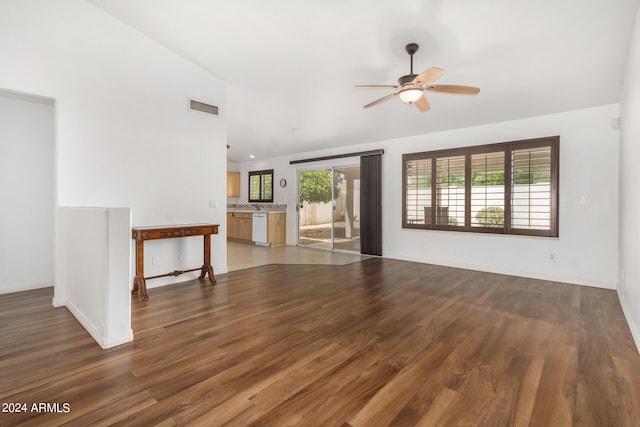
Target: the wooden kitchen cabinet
(230, 226)
(233, 184)
(239, 226)
(277, 228)
(246, 228)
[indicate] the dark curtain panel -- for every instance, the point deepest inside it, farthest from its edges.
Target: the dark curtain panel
(371, 205)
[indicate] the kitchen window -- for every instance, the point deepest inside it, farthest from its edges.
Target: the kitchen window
(506, 188)
(261, 186)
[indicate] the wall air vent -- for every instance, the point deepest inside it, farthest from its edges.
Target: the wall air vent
(202, 107)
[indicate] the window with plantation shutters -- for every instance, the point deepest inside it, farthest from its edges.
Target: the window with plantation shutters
(450, 191)
(418, 191)
(531, 188)
(487, 190)
(507, 188)
(261, 186)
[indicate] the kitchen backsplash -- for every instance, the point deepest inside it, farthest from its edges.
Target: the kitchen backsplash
(264, 206)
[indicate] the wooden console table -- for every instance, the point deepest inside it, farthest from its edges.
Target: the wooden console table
(140, 234)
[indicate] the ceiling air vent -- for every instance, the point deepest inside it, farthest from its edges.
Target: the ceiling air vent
(201, 106)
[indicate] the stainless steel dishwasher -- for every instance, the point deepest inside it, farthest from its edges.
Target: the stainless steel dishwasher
(259, 229)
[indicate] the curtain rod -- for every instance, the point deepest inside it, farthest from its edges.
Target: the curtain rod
(339, 156)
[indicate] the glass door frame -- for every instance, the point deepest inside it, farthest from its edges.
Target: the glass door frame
(347, 163)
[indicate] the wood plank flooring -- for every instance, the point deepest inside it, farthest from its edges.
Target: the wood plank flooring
(244, 255)
(372, 343)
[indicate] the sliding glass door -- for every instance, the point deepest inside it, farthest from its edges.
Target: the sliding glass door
(315, 208)
(346, 213)
(329, 208)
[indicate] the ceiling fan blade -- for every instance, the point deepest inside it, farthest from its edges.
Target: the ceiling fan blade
(430, 75)
(376, 86)
(423, 104)
(380, 100)
(464, 90)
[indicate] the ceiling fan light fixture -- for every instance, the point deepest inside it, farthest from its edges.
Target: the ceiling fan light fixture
(412, 88)
(410, 96)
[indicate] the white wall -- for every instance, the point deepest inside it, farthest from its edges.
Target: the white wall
(586, 251)
(629, 280)
(26, 192)
(124, 134)
(93, 261)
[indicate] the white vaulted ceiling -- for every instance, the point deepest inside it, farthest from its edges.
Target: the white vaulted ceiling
(290, 65)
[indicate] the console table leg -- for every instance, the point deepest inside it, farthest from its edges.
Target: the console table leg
(207, 269)
(143, 289)
(141, 284)
(138, 282)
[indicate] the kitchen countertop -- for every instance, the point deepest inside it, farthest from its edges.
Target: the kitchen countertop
(255, 211)
(250, 208)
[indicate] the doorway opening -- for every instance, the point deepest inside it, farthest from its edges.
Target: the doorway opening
(27, 189)
(329, 208)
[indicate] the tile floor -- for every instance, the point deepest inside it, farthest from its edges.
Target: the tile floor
(244, 255)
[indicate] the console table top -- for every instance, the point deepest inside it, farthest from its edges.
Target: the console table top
(158, 227)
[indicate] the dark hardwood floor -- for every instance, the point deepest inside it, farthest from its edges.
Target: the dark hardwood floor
(373, 343)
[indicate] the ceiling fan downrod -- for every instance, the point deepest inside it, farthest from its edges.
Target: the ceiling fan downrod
(412, 48)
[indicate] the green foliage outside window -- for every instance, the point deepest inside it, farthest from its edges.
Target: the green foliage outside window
(452, 180)
(491, 217)
(520, 176)
(531, 176)
(420, 181)
(316, 186)
(487, 178)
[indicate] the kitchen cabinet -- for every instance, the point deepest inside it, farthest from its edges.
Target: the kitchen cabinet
(277, 228)
(230, 231)
(239, 226)
(246, 226)
(233, 184)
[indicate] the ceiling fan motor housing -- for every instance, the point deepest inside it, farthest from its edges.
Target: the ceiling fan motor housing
(405, 80)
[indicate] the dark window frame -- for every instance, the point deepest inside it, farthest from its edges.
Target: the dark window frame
(552, 142)
(261, 174)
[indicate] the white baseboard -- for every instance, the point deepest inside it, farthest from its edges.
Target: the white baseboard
(116, 341)
(635, 329)
(103, 340)
(93, 330)
(24, 287)
(508, 272)
(186, 277)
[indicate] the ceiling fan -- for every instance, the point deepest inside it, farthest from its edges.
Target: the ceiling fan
(412, 87)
